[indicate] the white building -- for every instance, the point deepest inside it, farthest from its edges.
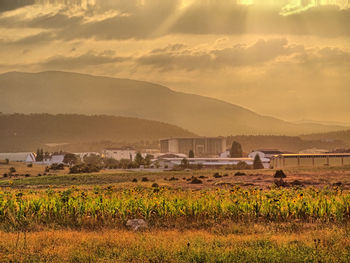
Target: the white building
(121, 153)
(206, 162)
(265, 156)
(28, 157)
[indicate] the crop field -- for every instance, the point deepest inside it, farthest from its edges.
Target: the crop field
(191, 216)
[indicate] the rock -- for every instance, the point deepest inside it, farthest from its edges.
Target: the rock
(136, 224)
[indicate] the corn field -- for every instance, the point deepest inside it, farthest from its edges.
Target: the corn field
(22, 210)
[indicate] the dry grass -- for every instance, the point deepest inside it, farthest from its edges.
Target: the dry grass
(235, 243)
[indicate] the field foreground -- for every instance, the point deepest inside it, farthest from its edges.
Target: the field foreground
(83, 218)
(230, 243)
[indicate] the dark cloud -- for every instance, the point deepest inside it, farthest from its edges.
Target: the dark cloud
(82, 61)
(6, 5)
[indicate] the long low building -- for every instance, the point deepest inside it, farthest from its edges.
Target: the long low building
(28, 157)
(207, 162)
(310, 160)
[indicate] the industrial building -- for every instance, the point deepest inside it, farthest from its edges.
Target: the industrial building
(28, 157)
(310, 160)
(201, 146)
(120, 153)
(205, 162)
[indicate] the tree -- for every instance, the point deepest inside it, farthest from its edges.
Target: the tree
(93, 159)
(139, 159)
(236, 150)
(70, 159)
(148, 159)
(191, 154)
(185, 163)
(257, 164)
(39, 155)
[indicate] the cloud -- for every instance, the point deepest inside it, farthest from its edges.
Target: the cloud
(77, 62)
(176, 57)
(6, 5)
(155, 18)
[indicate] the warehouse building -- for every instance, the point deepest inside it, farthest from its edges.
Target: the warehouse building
(310, 160)
(28, 157)
(201, 146)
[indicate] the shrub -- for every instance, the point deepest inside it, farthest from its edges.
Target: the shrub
(240, 174)
(155, 185)
(217, 175)
(5, 175)
(56, 166)
(280, 174)
(134, 180)
(173, 179)
(12, 170)
(30, 165)
(144, 179)
(195, 180)
(281, 183)
(27, 175)
(84, 168)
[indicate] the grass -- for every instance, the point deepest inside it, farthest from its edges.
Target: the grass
(163, 207)
(252, 243)
(81, 218)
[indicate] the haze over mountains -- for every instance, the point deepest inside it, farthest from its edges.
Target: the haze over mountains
(21, 132)
(61, 92)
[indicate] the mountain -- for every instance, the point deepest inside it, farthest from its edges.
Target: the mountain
(21, 132)
(284, 143)
(61, 92)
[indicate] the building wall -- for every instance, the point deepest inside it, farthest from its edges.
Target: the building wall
(322, 160)
(120, 154)
(200, 146)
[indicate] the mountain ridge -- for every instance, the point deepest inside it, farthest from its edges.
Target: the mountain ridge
(58, 92)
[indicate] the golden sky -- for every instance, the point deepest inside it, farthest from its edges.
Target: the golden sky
(288, 59)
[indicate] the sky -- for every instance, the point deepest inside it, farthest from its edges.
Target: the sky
(288, 59)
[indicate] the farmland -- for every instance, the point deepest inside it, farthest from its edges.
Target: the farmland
(221, 216)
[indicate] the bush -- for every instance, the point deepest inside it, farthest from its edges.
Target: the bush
(281, 183)
(173, 179)
(5, 175)
(155, 185)
(30, 165)
(12, 170)
(134, 180)
(195, 180)
(144, 179)
(217, 175)
(56, 166)
(240, 174)
(242, 166)
(84, 168)
(280, 174)
(27, 175)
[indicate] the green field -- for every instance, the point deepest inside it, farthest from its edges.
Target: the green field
(223, 218)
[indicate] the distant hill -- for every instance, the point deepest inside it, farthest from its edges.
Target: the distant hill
(330, 136)
(62, 92)
(20, 132)
(285, 143)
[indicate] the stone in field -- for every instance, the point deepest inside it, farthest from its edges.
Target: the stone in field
(136, 224)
